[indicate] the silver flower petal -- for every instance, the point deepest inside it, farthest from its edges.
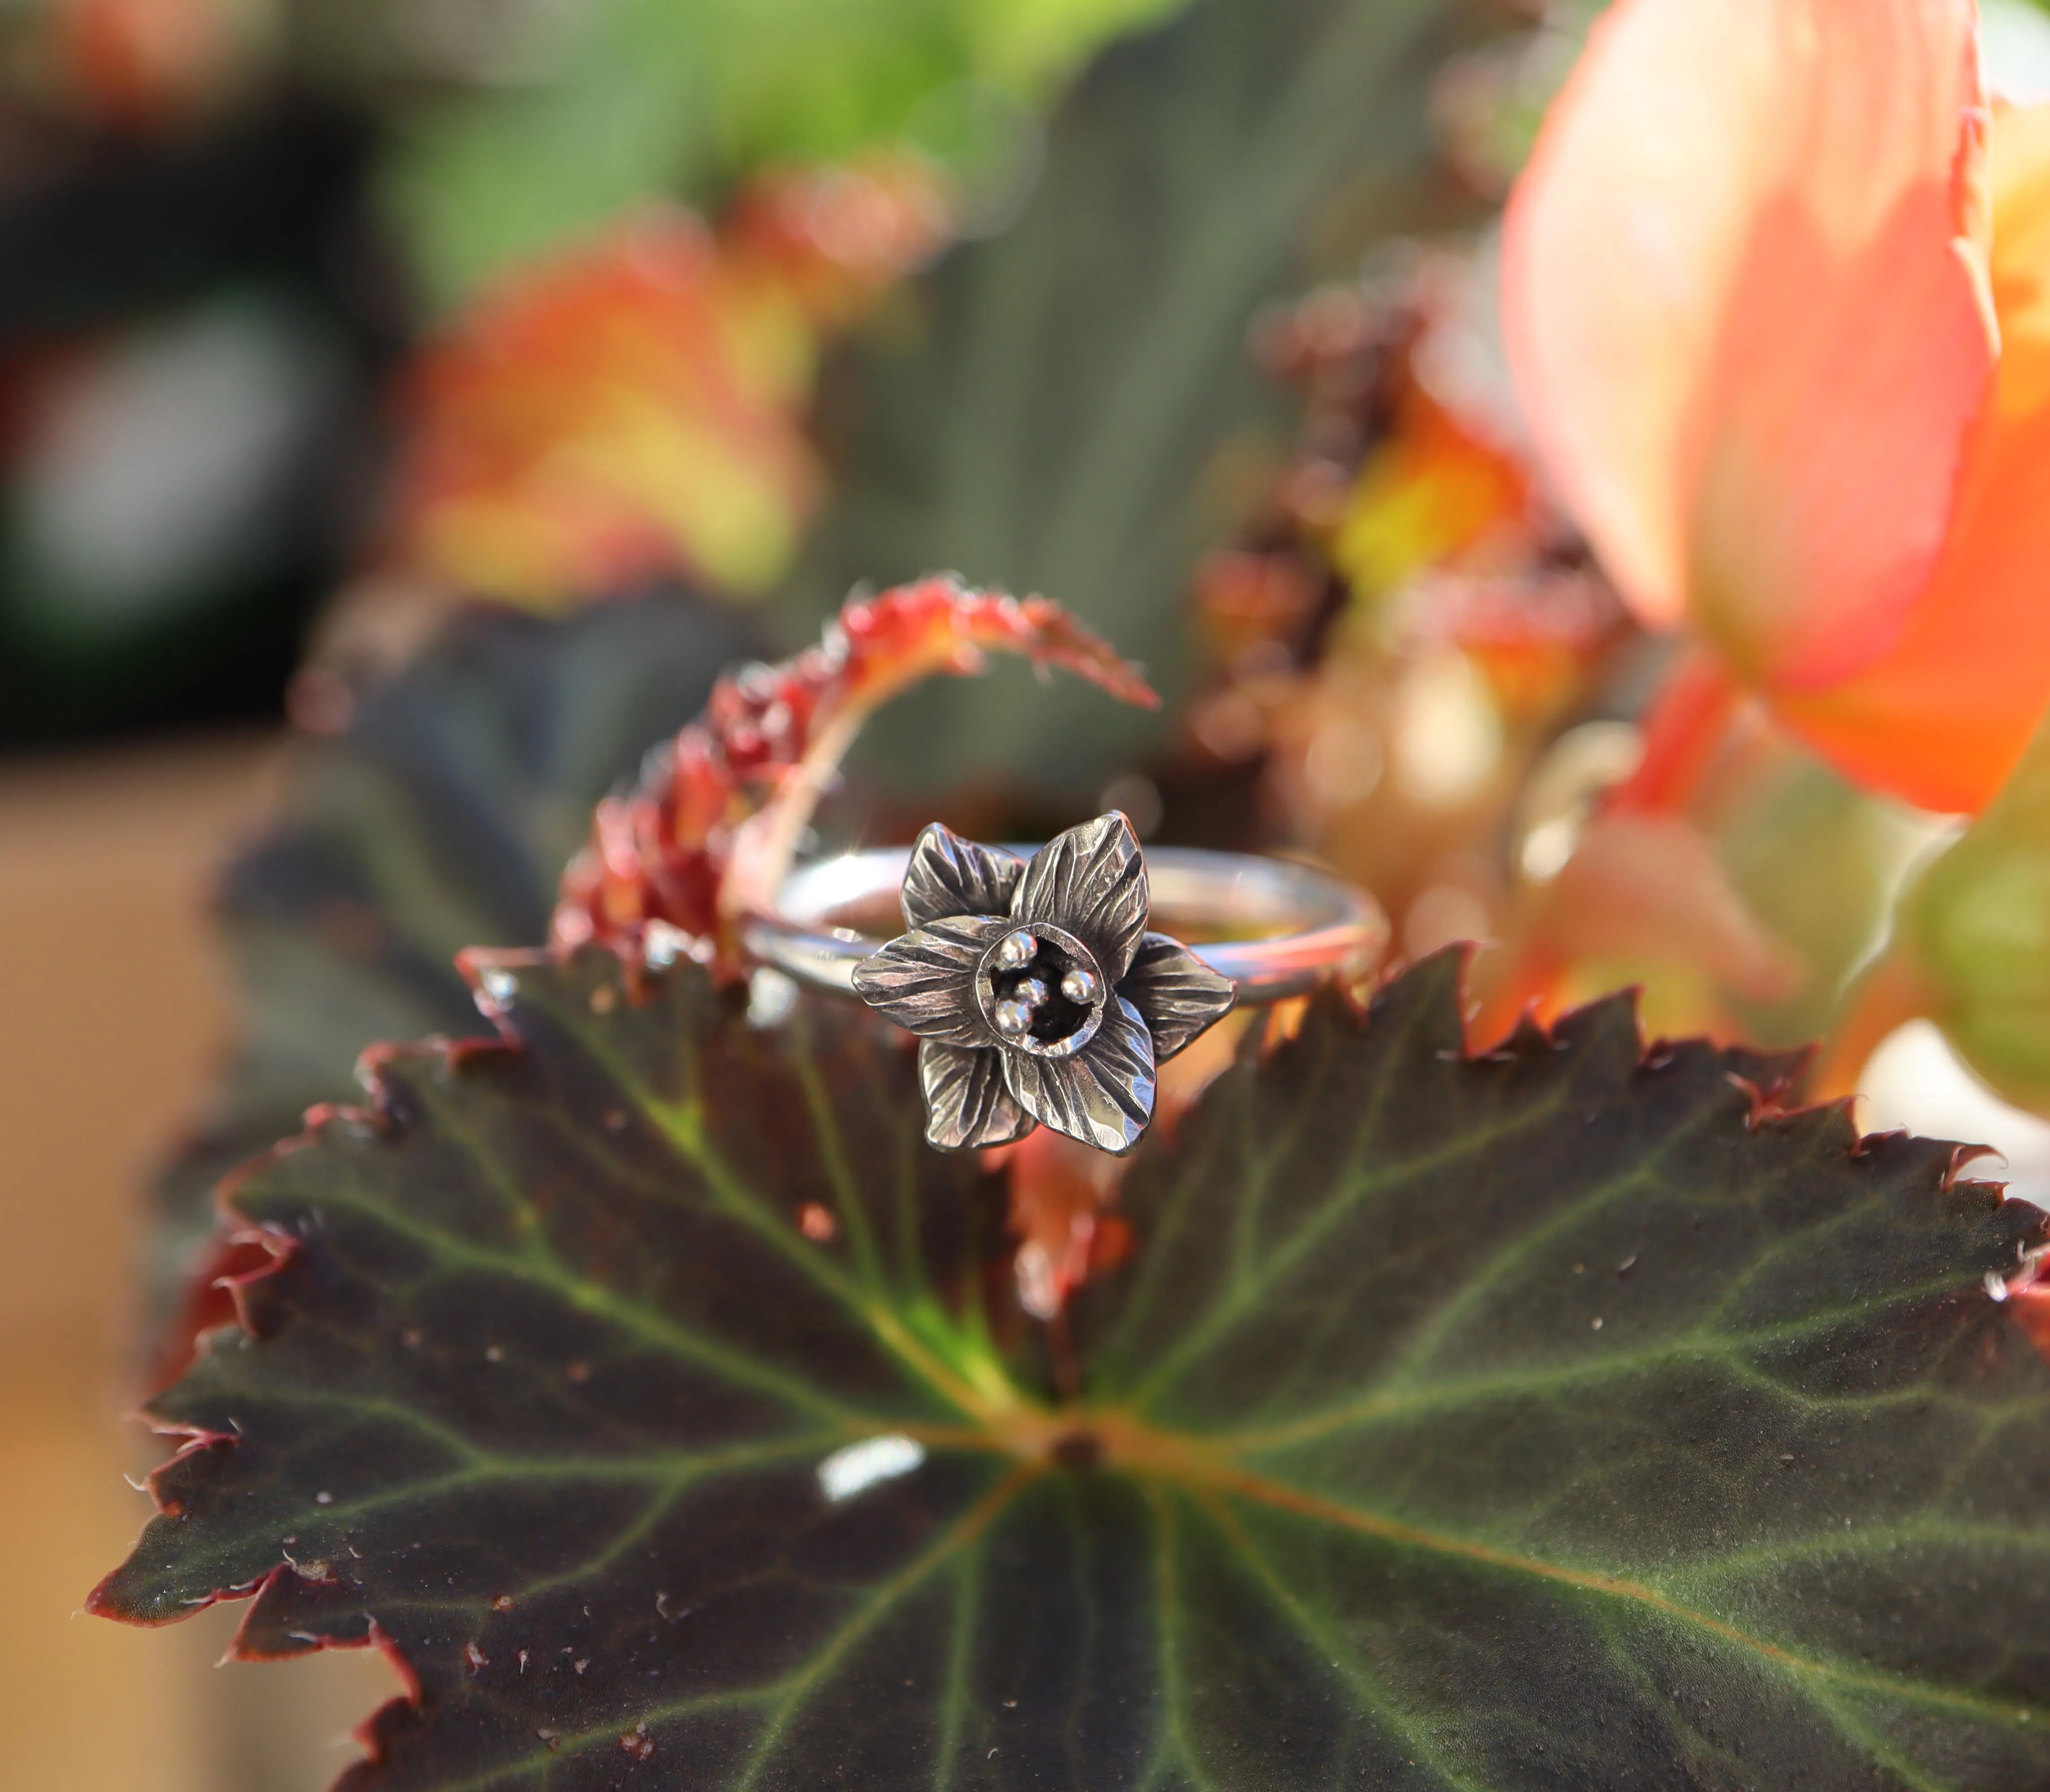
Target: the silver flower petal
(924, 980)
(949, 875)
(1092, 880)
(967, 1104)
(1102, 1096)
(1177, 994)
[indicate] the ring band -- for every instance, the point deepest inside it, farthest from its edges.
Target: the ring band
(1038, 989)
(1312, 926)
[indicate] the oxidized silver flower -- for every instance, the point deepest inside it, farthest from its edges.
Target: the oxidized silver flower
(1036, 991)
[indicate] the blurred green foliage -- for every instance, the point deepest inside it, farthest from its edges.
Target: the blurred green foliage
(1818, 862)
(1974, 932)
(1071, 406)
(647, 96)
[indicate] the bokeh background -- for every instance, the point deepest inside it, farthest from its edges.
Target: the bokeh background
(407, 407)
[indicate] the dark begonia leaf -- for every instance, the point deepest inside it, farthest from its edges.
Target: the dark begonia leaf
(1566, 1418)
(441, 818)
(1070, 406)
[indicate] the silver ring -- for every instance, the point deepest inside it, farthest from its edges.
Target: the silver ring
(1038, 991)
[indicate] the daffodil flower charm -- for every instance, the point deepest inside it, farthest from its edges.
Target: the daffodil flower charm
(1037, 993)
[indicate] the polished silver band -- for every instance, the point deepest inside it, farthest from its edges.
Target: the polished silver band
(1307, 925)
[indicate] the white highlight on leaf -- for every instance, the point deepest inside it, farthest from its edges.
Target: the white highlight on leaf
(859, 1466)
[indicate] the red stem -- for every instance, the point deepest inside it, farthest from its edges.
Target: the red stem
(1684, 730)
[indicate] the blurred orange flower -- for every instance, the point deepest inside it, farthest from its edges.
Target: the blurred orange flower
(637, 406)
(1774, 290)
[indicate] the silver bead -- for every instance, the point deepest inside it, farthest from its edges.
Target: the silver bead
(1013, 1018)
(1016, 951)
(1079, 987)
(1031, 992)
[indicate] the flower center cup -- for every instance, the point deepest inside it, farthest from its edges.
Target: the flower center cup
(1042, 992)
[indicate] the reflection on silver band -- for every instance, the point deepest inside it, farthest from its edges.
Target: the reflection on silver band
(1307, 924)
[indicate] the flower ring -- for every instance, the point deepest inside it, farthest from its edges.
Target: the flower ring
(1038, 995)
(1036, 991)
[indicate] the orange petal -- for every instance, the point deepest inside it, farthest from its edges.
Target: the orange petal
(1745, 298)
(1942, 717)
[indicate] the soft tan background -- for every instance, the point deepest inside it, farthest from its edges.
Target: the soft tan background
(112, 1006)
